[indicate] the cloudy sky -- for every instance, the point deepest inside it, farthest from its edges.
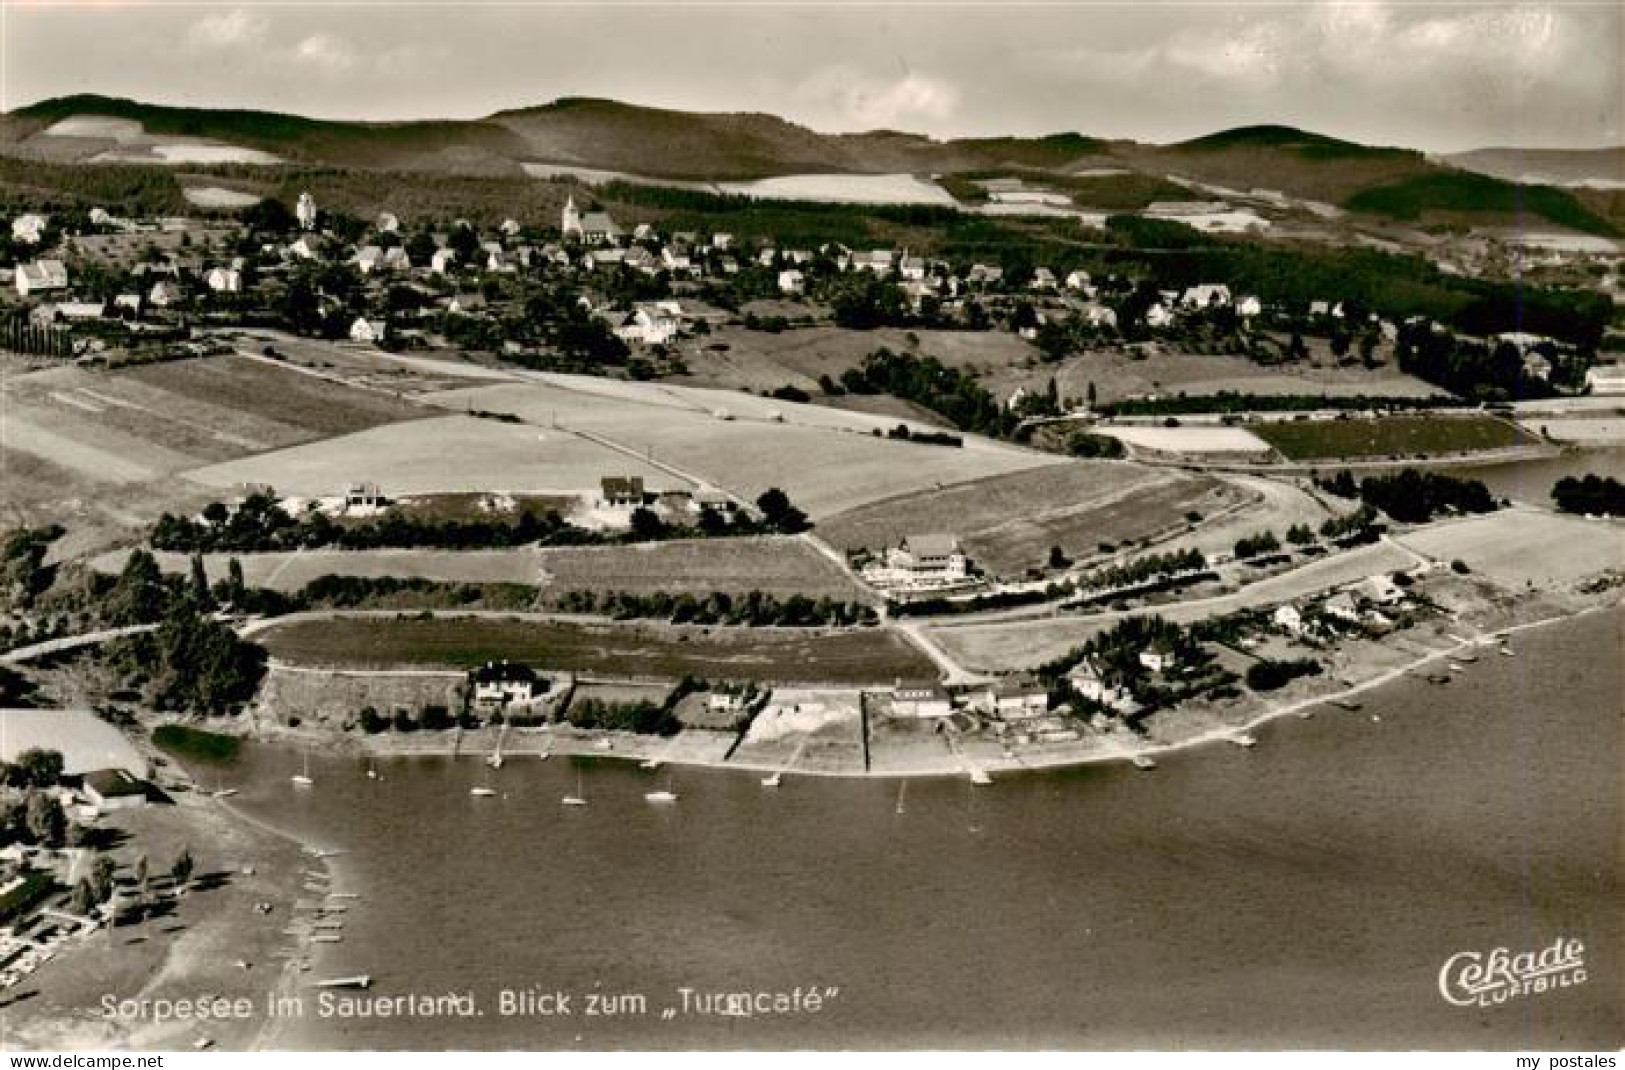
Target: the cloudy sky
(1432, 75)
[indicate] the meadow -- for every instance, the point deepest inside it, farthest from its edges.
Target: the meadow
(867, 656)
(1390, 436)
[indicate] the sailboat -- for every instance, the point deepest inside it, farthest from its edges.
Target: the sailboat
(773, 781)
(303, 780)
(664, 795)
(372, 770)
(579, 798)
(495, 760)
(902, 793)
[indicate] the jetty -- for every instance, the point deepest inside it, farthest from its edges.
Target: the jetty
(360, 980)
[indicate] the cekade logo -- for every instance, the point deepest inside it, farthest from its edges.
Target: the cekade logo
(1484, 979)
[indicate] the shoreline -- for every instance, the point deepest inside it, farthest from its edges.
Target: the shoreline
(628, 747)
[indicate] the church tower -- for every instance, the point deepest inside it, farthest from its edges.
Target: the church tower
(571, 225)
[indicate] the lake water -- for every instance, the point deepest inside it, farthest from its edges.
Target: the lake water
(1303, 893)
(1531, 481)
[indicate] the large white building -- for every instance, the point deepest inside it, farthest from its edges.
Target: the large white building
(921, 562)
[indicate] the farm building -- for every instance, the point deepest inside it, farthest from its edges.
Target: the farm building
(113, 789)
(224, 280)
(1288, 618)
(622, 490)
(85, 741)
(364, 496)
(929, 556)
(505, 683)
(921, 700)
(41, 275)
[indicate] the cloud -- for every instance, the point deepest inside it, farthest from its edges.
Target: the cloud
(326, 51)
(236, 28)
(845, 98)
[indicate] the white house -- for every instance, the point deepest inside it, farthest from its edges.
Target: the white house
(929, 556)
(368, 259)
(1098, 315)
(1020, 697)
(41, 275)
(510, 228)
(1603, 379)
(29, 228)
(878, 261)
(651, 324)
(792, 281)
(1341, 606)
(1079, 280)
(1249, 306)
(308, 247)
(1158, 657)
(504, 683)
(1158, 315)
(921, 700)
(1043, 279)
(165, 293)
(368, 330)
(442, 261)
(388, 223)
(1537, 366)
(223, 280)
(1205, 295)
(1288, 618)
(1087, 680)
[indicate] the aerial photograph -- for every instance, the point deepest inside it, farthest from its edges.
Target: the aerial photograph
(910, 526)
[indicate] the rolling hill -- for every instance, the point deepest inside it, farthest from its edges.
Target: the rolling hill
(1394, 183)
(1553, 167)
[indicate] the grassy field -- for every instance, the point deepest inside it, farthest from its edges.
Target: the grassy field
(1522, 547)
(1119, 375)
(825, 459)
(867, 656)
(1389, 436)
(97, 448)
(760, 360)
(1008, 523)
(448, 454)
(777, 566)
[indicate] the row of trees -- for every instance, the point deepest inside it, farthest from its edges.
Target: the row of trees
(754, 609)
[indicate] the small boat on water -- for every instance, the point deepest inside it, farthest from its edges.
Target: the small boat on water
(1467, 657)
(1506, 652)
(1244, 739)
(1345, 704)
(327, 938)
(773, 781)
(360, 980)
(1143, 761)
(977, 776)
(649, 763)
(224, 793)
(482, 793)
(1438, 678)
(661, 796)
(302, 780)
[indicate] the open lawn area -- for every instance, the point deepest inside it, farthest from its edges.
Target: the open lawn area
(826, 459)
(441, 455)
(733, 357)
(1118, 375)
(1008, 523)
(777, 565)
(1389, 436)
(862, 656)
(1519, 547)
